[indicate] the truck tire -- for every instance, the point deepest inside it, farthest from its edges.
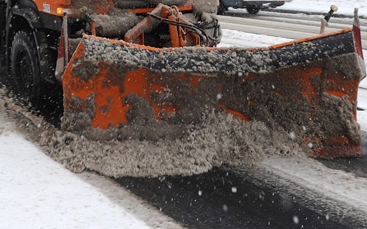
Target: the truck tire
(25, 68)
(221, 9)
(253, 9)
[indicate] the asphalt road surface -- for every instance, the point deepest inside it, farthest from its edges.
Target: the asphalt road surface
(223, 199)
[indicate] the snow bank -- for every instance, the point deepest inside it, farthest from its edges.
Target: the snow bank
(56, 198)
(322, 6)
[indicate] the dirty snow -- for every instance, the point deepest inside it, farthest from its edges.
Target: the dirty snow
(38, 192)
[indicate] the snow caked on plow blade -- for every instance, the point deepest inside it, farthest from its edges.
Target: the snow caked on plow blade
(117, 90)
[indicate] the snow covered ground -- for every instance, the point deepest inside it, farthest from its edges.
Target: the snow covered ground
(319, 6)
(37, 192)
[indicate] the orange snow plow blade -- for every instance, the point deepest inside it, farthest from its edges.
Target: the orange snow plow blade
(118, 90)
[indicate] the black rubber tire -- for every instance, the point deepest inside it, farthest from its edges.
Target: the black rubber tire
(253, 9)
(25, 68)
(221, 9)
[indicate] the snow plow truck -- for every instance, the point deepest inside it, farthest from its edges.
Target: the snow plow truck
(151, 70)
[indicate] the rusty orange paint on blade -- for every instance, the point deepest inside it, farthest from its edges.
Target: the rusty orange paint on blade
(109, 106)
(237, 114)
(336, 93)
(349, 89)
(136, 82)
(109, 97)
(167, 108)
(342, 151)
(234, 113)
(195, 80)
(337, 140)
(309, 88)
